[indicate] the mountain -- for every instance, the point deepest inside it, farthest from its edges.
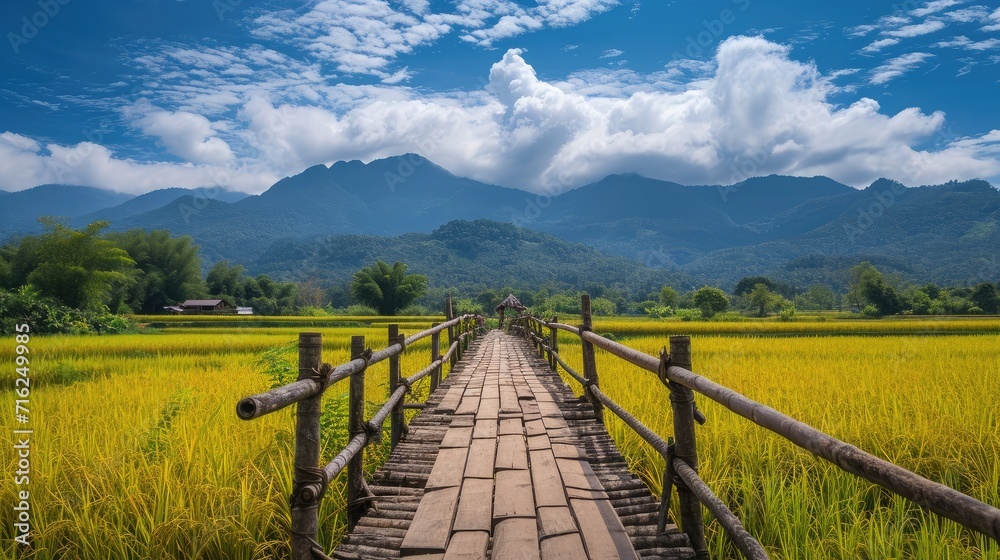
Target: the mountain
(153, 200)
(797, 229)
(19, 211)
(480, 253)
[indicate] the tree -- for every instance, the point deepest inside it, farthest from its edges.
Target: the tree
(78, 267)
(872, 286)
(985, 297)
(225, 281)
(669, 297)
(711, 301)
(387, 288)
(764, 300)
(748, 283)
(169, 268)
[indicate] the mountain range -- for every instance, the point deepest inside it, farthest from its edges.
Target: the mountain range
(801, 230)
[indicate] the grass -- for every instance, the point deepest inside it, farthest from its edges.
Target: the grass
(925, 403)
(137, 451)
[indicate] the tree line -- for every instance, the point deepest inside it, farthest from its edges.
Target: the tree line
(80, 280)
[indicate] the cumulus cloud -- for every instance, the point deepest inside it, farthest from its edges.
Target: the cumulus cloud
(752, 110)
(24, 164)
(896, 67)
(187, 135)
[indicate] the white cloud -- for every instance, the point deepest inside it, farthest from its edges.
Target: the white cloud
(897, 67)
(935, 7)
(993, 22)
(367, 36)
(971, 14)
(917, 29)
(612, 53)
(753, 110)
(878, 45)
(24, 164)
(964, 42)
(187, 135)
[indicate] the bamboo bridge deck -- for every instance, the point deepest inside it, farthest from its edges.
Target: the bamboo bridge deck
(505, 463)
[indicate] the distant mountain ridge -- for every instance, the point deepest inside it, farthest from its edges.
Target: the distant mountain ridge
(764, 225)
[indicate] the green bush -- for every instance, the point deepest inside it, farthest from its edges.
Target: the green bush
(47, 315)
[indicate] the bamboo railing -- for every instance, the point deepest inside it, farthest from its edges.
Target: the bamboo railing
(310, 480)
(681, 456)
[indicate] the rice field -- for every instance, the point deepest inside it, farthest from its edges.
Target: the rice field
(137, 451)
(927, 403)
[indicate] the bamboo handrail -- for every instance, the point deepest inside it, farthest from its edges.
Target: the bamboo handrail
(309, 482)
(938, 498)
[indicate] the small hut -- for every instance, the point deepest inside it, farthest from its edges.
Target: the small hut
(510, 302)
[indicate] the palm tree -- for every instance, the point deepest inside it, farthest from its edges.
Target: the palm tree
(387, 288)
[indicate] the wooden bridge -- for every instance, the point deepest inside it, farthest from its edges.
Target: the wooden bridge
(506, 463)
(503, 462)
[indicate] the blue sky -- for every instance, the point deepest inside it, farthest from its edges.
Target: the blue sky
(544, 95)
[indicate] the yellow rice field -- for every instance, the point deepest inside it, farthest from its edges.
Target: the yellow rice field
(927, 403)
(137, 451)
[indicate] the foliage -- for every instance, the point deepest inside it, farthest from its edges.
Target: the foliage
(387, 288)
(47, 315)
(669, 297)
(78, 268)
(710, 301)
(985, 296)
(465, 306)
(764, 300)
(169, 269)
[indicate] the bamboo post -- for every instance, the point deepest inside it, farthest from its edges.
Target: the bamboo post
(541, 337)
(305, 490)
(589, 360)
(396, 418)
(553, 344)
(685, 447)
(449, 315)
(356, 425)
(435, 356)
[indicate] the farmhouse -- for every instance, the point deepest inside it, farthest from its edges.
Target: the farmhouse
(195, 306)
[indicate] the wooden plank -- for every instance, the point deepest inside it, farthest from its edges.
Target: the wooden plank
(468, 545)
(577, 473)
(431, 526)
(534, 427)
(568, 451)
(602, 531)
(488, 409)
(539, 442)
(513, 495)
(485, 429)
(475, 505)
(563, 547)
(457, 437)
(553, 422)
(512, 453)
(469, 404)
(586, 494)
(546, 481)
(511, 427)
(482, 455)
(555, 521)
(448, 468)
(516, 539)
